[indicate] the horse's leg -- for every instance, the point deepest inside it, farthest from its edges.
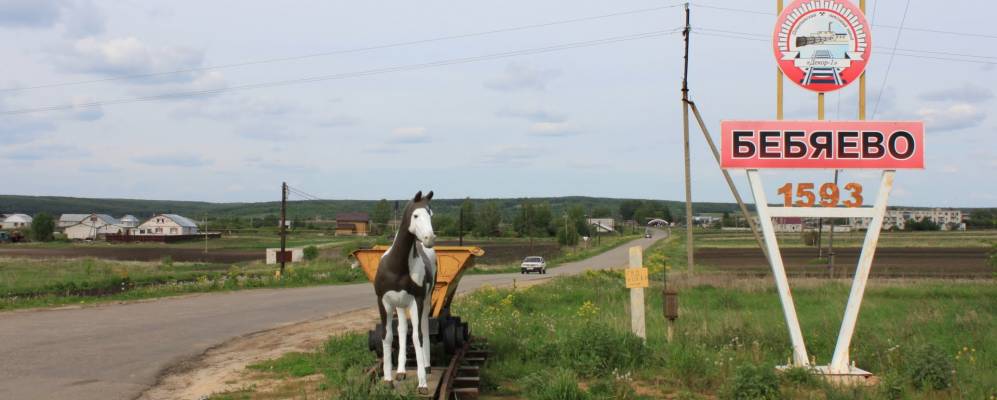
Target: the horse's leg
(402, 346)
(387, 313)
(420, 359)
(424, 324)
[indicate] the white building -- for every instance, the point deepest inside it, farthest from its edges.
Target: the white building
(16, 221)
(948, 219)
(166, 224)
(129, 221)
(67, 220)
(93, 226)
(604, 225)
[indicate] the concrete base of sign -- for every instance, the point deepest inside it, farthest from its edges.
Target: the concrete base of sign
(853, 377)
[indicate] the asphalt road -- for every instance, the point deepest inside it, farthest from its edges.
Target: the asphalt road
(118, 351)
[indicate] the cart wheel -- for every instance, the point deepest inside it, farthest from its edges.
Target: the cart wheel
(374, 337)
(465, 330)
(449, 336)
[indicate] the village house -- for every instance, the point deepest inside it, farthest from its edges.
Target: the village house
(166, 225)
(129, 221)
(67, 220)
(93, 226)
(896, 218)
(16, 221)
(603, 225)
(352, 224)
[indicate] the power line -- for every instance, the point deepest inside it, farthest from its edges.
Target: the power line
(320, 78)
(929, 30)
(348, 51)
(889, 64)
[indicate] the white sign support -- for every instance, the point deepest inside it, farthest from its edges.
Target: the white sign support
(840, 361)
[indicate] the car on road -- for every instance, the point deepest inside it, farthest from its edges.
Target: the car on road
(533, 264)
(647, 234)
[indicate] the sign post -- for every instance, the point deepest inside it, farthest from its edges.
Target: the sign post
(885, 145)
(637, 280)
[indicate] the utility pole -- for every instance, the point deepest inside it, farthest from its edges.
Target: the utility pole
(283, 226)
(685, 144)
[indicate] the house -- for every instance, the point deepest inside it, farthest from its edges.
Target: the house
(788, 224)
(166, 225)
(352, 224)
(67, 220)
(603, 225)
(129, 221)
(896, 218)
(94, 225)
(16, 221)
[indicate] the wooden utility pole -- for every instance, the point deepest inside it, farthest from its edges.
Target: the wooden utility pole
(283, 226)
(685, 144)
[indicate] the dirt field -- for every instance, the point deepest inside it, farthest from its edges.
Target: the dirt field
(137, 254)
(504, 253)
(945, 262)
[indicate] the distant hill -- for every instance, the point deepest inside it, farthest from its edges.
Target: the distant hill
(305, 209)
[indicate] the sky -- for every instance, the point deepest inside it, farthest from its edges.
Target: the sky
(368, 100)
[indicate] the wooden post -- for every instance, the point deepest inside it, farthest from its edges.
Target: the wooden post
(637, 293)
(283, 226)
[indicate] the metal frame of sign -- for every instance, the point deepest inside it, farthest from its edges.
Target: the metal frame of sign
(840, 363)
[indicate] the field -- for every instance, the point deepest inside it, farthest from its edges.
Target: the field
(569, 339)
(899, 254)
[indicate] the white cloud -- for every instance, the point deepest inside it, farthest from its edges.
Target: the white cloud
(532, 114)
(79, 17)
(512, 155)
(552, 129)
(84, 109)
(966, 93)
(131, 56)
(171, 160)
(409, 135)
(517, 77)
(952, 117)
(267, 132)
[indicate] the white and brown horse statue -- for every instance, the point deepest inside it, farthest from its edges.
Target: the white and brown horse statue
(404, 286)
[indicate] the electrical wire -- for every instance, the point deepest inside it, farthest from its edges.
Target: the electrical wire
(929, 30)
(321, 78)
(348, 51)
(889, 64)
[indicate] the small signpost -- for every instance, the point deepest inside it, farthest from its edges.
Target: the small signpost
(637, 280)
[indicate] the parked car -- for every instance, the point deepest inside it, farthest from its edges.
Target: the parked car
(533, 264)
(647, 234)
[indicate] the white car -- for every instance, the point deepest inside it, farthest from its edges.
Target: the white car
(533, 264)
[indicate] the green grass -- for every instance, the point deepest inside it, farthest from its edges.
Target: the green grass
(973, 238)
(26, 283)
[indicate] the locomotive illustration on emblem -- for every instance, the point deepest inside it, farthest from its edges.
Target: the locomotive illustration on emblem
(822, 45)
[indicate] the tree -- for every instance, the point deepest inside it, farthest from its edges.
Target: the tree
(42, 227)
(601, 212)
(468, 208)
(567, 237)
(486, 222)
(523, 221)
(381, 214)
(271, 221)
(576, 217)
(982, 219)
(444, 224)
(543, 219)
(627, 208)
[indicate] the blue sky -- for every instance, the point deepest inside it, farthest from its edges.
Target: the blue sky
(599, 120)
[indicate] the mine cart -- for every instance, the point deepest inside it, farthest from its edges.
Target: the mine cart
(451, 262)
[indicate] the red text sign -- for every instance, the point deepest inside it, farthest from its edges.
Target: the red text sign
(822, 144)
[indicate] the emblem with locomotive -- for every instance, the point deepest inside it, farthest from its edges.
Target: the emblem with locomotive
(822, 45)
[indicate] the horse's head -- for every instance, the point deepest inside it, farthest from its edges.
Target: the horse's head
(420, 221)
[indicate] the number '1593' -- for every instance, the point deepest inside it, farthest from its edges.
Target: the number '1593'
(829, 195)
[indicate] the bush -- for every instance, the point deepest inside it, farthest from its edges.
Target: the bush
(930, 368)
(554, 384)
(752, 382)
(311, 253)
(599, 348)
(42, 227)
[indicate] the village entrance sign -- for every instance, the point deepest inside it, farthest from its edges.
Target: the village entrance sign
(822, 45)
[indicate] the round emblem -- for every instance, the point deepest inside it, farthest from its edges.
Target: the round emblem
(822, 45)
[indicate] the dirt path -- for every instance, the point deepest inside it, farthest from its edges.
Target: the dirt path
(223, 368)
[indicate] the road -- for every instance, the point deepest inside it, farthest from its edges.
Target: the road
(118, 351)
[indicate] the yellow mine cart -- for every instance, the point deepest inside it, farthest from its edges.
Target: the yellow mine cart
(451, 262)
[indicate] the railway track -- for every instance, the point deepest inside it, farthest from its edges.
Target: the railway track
(458, 379)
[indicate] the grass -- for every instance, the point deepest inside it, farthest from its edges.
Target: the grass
(247, 240)
(975, 238)
(26, 283)
(569, 339)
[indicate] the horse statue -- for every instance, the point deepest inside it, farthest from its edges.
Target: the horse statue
(404, 285)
